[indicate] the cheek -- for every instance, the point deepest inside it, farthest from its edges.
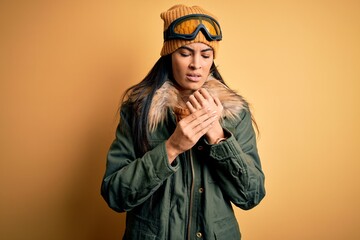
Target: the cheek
(207, 67)
(178, 68)
(175, 71)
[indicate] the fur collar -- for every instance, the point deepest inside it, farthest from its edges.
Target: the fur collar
(167, 96)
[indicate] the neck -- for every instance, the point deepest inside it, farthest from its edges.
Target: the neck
(184, 96)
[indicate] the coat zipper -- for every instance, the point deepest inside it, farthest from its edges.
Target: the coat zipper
(191, 194)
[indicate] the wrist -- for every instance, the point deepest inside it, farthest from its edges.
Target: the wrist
(215, 134)
(216, 138)
(171, 151)
(219, 140)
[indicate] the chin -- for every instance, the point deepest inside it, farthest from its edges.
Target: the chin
(194, 88)
(196, 85)
(191, 86)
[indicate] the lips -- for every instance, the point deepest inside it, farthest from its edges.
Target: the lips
(193, 77)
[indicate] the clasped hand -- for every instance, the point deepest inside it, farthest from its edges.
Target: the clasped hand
(205, 112)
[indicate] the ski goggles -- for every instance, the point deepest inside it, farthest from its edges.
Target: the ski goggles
(188, 27)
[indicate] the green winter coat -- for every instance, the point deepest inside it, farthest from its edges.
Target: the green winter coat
(190, 199)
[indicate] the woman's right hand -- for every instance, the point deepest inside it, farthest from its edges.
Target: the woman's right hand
(188, 131)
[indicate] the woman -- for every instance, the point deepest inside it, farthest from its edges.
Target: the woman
(185, 148)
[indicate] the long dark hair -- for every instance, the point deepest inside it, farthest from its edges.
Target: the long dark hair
(139, 98)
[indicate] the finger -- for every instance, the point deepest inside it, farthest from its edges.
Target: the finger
(195, 103)
(200, 115)
(190, 107)
(201, 121)
(204, 126)
(195, 123)
(202, 100)
(217, 101)
(198, 95)
(205, 93)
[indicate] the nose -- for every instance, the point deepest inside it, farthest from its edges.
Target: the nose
(195, 62)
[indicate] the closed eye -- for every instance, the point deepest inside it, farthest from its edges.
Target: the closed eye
(184, 54)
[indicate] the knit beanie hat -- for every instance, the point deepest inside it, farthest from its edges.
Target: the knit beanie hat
(176, 12)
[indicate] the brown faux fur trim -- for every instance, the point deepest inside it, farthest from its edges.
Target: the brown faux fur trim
(168, 97)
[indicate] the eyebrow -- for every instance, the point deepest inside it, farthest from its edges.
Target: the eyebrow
(192, 50)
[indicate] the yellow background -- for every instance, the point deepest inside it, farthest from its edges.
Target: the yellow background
(65, 64)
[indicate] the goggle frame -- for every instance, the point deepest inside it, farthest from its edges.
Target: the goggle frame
(170, 34)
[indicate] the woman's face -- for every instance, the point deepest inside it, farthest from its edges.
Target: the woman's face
(191, 66)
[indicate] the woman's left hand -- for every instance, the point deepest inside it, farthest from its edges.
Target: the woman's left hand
(202, 99)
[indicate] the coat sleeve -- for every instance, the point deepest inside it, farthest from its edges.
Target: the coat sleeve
(128, 180)
(237, 165)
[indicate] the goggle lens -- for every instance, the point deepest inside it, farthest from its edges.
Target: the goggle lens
(189, 26)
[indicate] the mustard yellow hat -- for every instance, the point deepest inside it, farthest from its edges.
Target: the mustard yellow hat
(176, 12)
